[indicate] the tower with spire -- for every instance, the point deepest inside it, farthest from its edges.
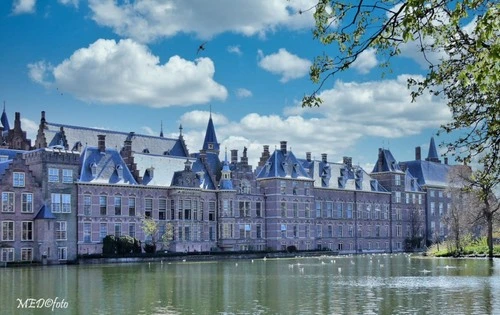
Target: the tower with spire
(5, 120)
(225, 179)
(210, 144)
(433, 155)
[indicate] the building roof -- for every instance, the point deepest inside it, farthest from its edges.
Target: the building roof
(158, 170)
(72, 136)
(433, 155)
(210, 142)
(429, 173)
(283, 164)
(386, 162)
(105, 167)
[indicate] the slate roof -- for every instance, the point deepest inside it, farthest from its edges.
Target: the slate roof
(163, 167)
(104, 167)
(339, 176)
(386, 162)
(71, 136)
(226, 184)
(44, 213)
(284, 165)
(212, 160)
(11, 153)
(429, 173)
(3, 166)
(210, 136)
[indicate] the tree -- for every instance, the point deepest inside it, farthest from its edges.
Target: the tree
(483, 207)
(464, 33)
(151, 229)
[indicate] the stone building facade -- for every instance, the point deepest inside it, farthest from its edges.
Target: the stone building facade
(85, 183)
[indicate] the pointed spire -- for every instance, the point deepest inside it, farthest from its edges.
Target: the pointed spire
(225, 182)
(161, 129)
(210, 143)
(180, 130)
(4, 119)
(433, 155)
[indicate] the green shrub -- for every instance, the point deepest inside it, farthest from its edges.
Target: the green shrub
(137, 247)
(109, 245)
(150, 248)
(125, 245)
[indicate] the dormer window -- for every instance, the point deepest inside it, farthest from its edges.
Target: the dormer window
(145, 150)
(210, 146)
(93, 169)
(119, 171)
(150, 172)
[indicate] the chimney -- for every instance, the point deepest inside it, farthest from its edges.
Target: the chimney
(347, 161)
(101, 143)
(244, 158)
(446, 160)
(283, 146)
(265, 155)
(380, 161)
(418, 153)
(43, 116)
(17, 121)
(234, 156)
(323, 157)
(308, 156)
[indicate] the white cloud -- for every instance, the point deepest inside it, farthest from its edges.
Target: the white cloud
(350, 112)
(242, 93)
(283, 63)
(31, 129)
(235, 50)
(149, 131)
(126, 72)
(23, 6)
(198, 118)
(148, 20)
(69, 2)
(366, 61)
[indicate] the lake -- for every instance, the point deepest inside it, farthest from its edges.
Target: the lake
(365, 284)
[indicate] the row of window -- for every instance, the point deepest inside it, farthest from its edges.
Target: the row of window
(440, 208)
(409, 198)
(8, 230)
(54, 175)
(8, 202)
(8, 254)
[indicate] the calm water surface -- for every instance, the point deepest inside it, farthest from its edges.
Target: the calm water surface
(378, 284)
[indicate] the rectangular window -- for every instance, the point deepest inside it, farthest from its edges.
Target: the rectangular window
(397, 180)
(349, 210)
(283, 209)
(27, 230)
(61, 229)
(433, 193)
(283, 230)
(27, 203)
(131, 207)
(307, 211)
(307, 232)
(26, 254)
(407, 198)
(7, 230)
(53, 175)
(433, 208)
(211, 211)
(67, 176)
(244, 207)
(211, 233)
(66, 203)
(440, 194)
(118, 205)
(187, 209)
(131, 230)
(283, 187)
(18, 179)
(441, 209)
(7, 254)
(162, 209)
(295, 206)
(350, 231)
(87, 232)
(118, 230)
(225, 207)
(295, 231)
(399, 230)
(87, 205)
(318, 231)
(318, 209)
(340, 210)
(103, 201)
(7, 202)
(397, 196)
(419, 199)
(258, 231)
(329, 209)
(62, 253)
(258, 209)
(148, 208)
(103, 230)
(340, 231)
(330, 231)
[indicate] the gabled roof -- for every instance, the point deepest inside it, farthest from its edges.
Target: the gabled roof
(386, 162)
(164, 167)
(72, 135)
(206, 182)
(429, 173)
(284, 165)
(210, 137)
(105, 167)
(44, 214)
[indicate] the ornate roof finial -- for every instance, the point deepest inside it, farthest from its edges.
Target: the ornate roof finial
(161, 129)
(180, 130)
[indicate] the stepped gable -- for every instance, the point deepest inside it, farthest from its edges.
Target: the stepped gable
(283, 163)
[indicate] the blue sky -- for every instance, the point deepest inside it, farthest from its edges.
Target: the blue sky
(132, 65)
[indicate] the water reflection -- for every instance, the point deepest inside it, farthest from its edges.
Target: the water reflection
(378, 284)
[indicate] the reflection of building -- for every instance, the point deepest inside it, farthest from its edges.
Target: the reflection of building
(77, 185)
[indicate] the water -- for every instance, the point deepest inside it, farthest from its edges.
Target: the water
(379, 284)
